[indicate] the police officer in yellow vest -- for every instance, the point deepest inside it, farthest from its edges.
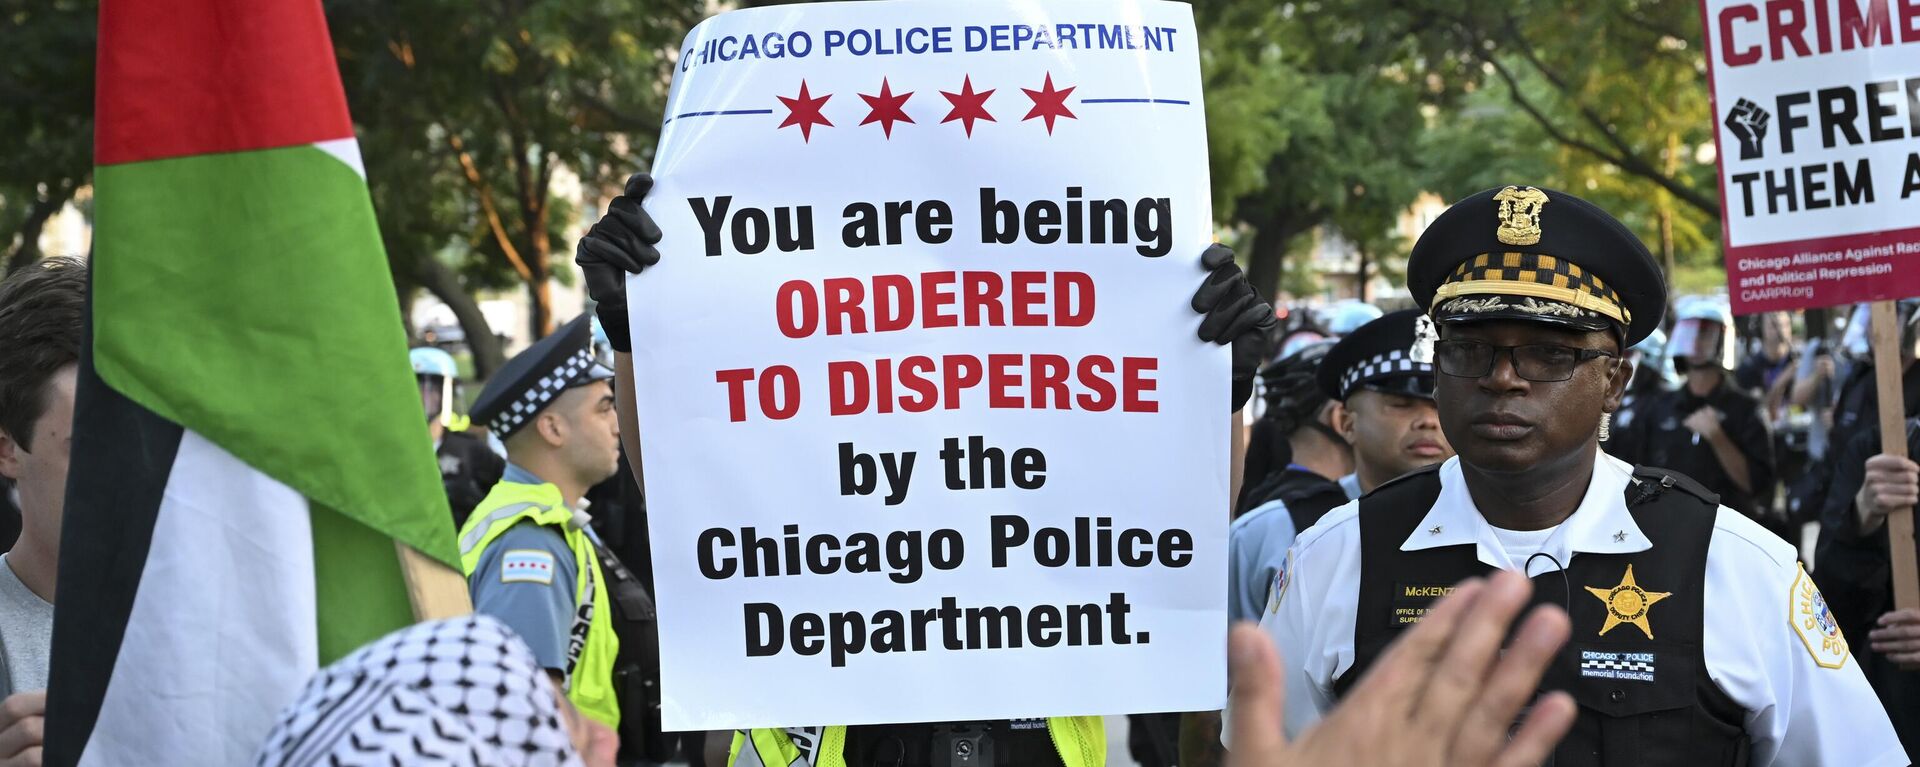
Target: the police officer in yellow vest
(530, 558)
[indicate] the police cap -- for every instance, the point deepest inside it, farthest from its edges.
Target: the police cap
(533, 378)
(1535, 254)
(1379, 356)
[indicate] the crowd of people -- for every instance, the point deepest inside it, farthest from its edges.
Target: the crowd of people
(1648, 466)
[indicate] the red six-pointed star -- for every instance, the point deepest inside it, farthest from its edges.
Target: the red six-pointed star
(968, 106)
(804, 111)
(1049, 103)
(885, 108)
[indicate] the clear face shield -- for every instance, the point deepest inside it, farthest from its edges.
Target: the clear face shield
(1700, 342)
(435, 397)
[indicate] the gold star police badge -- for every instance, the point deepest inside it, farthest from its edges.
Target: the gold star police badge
(1627, 603)
(1520, 214)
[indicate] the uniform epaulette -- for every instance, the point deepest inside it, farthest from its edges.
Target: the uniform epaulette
(1655, 480)
(1420, 472)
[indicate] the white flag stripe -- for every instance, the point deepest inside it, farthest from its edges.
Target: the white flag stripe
(346, 150)
(222, 631)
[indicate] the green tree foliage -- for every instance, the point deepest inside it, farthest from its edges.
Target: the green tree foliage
(1324, 113)
(46, 115)
(1311, 122)
(469, 110)
(1352, 107)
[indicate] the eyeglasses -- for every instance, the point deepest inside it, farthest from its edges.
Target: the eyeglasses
(1540, 363)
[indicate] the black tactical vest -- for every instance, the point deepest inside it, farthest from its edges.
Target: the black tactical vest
(636, 670)
(1644, 700)
(1308, 496)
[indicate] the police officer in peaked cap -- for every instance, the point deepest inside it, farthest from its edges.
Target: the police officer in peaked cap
(1385, 415)
(531, 558)
(1383, 376)
(1697, 639)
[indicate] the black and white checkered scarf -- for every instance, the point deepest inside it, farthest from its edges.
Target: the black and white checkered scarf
(464, 692)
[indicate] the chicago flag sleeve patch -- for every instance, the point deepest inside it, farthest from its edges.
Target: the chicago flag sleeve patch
(1815, 623)
(526, 566)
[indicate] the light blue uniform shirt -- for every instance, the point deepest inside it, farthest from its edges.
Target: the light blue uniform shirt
(541, 613)
(1257, 545)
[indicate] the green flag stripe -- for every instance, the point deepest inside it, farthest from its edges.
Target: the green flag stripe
(358, 592)
(246, 296)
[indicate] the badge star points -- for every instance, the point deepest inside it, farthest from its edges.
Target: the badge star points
(886, 108)
(968, 106)
(1620, 536)
(1434, 531)
(1048, 103)
(1627, 603)
(804, 111)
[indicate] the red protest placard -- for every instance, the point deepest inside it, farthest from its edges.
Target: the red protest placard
(1818, 104)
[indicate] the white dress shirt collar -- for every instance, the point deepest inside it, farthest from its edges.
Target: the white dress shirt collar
(1600, 525)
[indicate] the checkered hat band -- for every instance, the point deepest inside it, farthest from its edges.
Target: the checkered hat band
(1395, 362)
(541, 393)
(1536, 269)
(1536, 275)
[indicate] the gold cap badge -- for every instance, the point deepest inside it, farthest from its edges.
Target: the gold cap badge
(1520, 214)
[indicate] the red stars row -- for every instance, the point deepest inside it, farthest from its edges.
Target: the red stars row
(887, 107)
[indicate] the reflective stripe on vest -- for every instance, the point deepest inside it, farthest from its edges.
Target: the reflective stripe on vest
(1080, 741)
(590, 678)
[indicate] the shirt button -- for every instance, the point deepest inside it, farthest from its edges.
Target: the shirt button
(1617, 695)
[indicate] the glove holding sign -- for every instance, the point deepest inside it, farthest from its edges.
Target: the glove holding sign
(1234, 315)
(621, 243)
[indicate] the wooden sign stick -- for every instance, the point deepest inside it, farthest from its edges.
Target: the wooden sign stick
(1886, 332)
(436, 590)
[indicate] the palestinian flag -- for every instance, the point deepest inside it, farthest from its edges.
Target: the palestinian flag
(248, 441)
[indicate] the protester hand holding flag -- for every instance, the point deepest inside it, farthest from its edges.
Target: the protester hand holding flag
(248, 445)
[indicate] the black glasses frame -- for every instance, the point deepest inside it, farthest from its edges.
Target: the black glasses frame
(1529, 371)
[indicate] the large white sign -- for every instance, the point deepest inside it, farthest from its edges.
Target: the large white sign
(1818, 111)
(928, 434)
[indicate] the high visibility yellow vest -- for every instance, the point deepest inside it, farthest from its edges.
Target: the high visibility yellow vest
(1081, 741)
(590, 679)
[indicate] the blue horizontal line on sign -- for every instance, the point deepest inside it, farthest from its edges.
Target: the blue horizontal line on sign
(1136, 101)
(723, 112)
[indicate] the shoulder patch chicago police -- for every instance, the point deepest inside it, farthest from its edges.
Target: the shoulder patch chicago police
(526, 566)
(1808, 614)
(1279, 586)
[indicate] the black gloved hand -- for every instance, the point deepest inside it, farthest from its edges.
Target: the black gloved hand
(620, 243)
(1236, 315)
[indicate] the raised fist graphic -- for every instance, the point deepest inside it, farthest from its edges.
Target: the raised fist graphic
(1749, 122)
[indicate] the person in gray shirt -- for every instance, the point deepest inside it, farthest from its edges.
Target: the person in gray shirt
(42, 322)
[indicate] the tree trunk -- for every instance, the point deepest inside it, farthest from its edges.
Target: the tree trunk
(1365, 288)
(1267, 261)
(540, 259)
(28, 251)
(540, 307)
(1666, 208)
(1264, 263)
(445, 285)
